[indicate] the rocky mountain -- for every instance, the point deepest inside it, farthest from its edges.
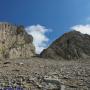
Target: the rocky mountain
(15, 42)
(71, 45)
(25, 72)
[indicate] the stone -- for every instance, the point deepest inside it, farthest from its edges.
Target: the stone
(15, 42)
(71, 45)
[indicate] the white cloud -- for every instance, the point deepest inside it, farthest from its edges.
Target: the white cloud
(40, 39)
(88, 19)
(85, 29)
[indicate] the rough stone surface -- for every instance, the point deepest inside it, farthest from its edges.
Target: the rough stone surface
(72, 45)
(45, 74)
(15, 42)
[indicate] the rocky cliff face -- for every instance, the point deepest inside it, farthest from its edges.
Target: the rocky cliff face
(15, 42)
(72, 45)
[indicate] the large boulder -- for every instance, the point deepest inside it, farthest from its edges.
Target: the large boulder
(71, 45)
(15, 42)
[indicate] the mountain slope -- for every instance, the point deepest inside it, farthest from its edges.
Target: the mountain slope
(71, 45)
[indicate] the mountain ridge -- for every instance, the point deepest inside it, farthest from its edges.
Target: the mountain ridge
(71, 45)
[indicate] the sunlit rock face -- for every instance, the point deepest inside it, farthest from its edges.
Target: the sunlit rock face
(15, 42)
(71, 45)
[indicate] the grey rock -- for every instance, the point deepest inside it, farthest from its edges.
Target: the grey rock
(71, 45)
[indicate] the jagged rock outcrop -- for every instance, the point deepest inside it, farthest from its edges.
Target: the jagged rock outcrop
(15, 42)
(72, 45)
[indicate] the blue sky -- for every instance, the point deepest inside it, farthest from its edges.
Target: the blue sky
(58, 15)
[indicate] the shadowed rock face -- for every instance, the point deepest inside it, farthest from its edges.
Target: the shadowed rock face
(72, 45)
(15, 42)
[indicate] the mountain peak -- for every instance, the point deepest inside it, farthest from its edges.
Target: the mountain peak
(71, 45)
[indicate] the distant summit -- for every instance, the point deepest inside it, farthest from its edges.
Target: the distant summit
(15, 42)
(71, 45)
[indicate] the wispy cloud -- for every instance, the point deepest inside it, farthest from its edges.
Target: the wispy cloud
(85, 29)
(39, 35)
(87, 20)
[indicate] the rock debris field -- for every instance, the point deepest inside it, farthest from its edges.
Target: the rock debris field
(45, 74)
